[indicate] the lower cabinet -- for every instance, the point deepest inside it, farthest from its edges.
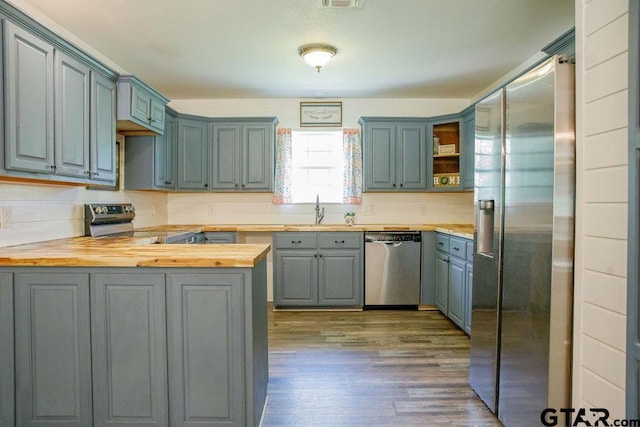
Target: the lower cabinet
(322, 269)
(52, 349)
(220, 237)
(205, 340)
(7, 416)
(128, 350)
(454, 279)
(128, 346)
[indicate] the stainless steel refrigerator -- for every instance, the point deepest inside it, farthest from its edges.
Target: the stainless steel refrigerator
(523, 246)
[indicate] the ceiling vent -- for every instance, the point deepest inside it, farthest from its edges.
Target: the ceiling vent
(342, 4)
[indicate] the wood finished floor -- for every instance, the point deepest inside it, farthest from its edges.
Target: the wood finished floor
(371, 368)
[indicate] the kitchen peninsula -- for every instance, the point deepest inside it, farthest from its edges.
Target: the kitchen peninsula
(116, 331)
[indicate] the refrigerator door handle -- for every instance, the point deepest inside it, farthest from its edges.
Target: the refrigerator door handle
(486, 223)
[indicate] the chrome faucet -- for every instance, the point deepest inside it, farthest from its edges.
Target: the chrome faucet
(319, 214)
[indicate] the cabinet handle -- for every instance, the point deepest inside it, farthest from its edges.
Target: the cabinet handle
(440, 244)
(167, 182)
(296, 242)
(394, 185)
(206, 185)
(236, 185)
(242, 185)
(456, 249)
(315, 255)
(401, 184)
(95, 173)
(320, 255)
(339, 241)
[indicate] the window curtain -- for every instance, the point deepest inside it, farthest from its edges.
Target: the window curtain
(352, 151)
(284, 168)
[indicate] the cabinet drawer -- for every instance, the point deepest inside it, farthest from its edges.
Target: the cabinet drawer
(458, 247)
(295, 240)
(469, 251)
(442, 242)
(340, 240)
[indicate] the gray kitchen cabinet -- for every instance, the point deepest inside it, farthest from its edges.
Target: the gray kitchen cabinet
(59, 113)
(468, 147)
(442, 282)
(7, 373)
(446, 156)
(71, 113)
(322, 269)
(456, 304)
(129, 350)
(213, 237)
(140, 107)
(193, 153)
(29, 105)
(150, 161)
(205, 340)
(468, 273)
(427, 269)
(242, 154)
(102, 149)
(454, 278)
(52, 349)
(395, 157)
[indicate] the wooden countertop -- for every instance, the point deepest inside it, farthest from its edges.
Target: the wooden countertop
(461, 230)
(130, 252)
(144, 252)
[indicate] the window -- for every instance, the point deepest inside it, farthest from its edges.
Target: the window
(317, 166)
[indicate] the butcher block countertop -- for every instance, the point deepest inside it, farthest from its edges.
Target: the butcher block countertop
(130, 252)
(461, 230)
(145, 252)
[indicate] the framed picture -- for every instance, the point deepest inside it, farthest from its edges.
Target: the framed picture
(320, 114)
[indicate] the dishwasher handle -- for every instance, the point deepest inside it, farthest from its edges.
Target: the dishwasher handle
(381, 242)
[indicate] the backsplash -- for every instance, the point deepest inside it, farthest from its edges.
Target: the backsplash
(376, 208)
(33, 213)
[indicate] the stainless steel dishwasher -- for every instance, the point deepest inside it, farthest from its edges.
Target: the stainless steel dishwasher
(392, 268)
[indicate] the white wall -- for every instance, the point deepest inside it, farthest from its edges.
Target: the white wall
(601, 221)
(38, 212)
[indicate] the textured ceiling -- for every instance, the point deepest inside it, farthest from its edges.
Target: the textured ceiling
(249, 48)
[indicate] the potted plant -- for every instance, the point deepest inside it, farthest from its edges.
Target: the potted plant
(349, 217)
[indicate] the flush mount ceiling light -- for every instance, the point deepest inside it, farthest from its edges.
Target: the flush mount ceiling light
(317, 55)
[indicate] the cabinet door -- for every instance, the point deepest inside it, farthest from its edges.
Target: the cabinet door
(29, 101)
(193, 159)
(468, 272)
(412, 157)
(340, 277)
(257, 157)
(205, 340)
(296, 279)
(226, 156)
(103, 129)
(467, 152)
(72, 88)
(157, 115)
(140, 104)
(170, 152)
(7, 390)
(380, 156)
(456, 307)
(129, 350)
(164, 170)
(442, 281)
(53, 354)
(217, 237)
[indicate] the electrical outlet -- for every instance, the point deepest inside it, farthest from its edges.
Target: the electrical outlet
(367, 210)
(5, 217)
(212, 210)
(423, 210)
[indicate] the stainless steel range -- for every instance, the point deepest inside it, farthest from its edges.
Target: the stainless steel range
(116, 220)
(108, 219)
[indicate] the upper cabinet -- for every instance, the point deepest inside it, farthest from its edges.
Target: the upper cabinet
(242, 154)
(150, 160)
(193, 153)
(395, 157)
(468, 147)
(140, 107)
(446, 157)
(59, 110)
